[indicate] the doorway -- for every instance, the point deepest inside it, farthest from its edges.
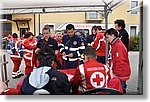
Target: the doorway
(23, 31)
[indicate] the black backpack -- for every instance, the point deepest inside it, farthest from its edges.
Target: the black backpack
(58, 83)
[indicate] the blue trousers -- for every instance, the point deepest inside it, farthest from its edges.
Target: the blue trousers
(101, 59)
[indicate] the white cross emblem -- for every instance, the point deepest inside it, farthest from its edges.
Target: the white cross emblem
(97, 79)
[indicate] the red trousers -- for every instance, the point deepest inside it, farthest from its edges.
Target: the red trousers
(29, 66)
(116, 84)
(16, 63)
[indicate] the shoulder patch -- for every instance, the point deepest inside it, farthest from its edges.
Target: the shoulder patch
(82, 43)
(75, 43)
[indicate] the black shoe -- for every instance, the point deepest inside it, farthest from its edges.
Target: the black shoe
(21, 74)
(16, 77)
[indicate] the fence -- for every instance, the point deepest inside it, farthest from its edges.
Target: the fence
(3, 69)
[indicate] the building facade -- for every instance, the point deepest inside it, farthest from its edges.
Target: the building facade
(22, 23)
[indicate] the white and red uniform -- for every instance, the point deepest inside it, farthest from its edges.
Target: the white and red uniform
(99, 44)
(29, 46)
(58, 40)
(16, 59)
(119, 62)
(59, 55)
(90, 75)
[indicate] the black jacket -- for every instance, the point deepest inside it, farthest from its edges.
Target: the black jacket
(49, 46)
(123, 34)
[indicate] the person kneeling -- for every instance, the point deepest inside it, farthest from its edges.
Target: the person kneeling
(91, 74)
(44, 79)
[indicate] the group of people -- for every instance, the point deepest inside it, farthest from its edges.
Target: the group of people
(48, 54)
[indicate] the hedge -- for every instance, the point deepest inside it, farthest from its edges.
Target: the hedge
(134, 43)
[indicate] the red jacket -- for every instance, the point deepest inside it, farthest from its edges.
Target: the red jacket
(90, 75)
(99, 44)
(10, 91)
(119, 60)
(29, 46)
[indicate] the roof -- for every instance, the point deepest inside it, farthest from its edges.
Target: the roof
(51, 6)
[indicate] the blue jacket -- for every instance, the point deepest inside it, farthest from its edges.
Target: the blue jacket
(72, 45)
(90, 38)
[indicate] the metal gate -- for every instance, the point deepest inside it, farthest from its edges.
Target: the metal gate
(3, 69)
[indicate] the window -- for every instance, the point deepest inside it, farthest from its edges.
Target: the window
(84, 31)
(51, 28)
(9, 17)
(93, 15)
(51, 25)
(133, 30)
(7, 27)
(134, 4)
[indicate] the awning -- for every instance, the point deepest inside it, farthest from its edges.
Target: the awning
(51, 6)
(22, 19)
(26, 20)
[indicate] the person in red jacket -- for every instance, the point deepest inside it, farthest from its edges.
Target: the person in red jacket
(99, 45)
(22, 37)
(29, 45)
(16, 59)
(4, 90)
(119, 62)
(10, 37)
(91, 74)
(59, 36)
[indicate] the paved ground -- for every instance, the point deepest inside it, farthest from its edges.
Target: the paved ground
(132, 83)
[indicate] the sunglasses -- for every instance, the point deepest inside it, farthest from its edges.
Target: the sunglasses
(59, 36)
